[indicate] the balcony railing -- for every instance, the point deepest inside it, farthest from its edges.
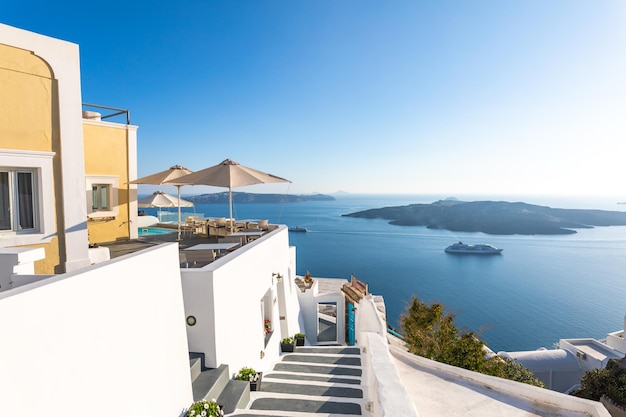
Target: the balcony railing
(105, 112)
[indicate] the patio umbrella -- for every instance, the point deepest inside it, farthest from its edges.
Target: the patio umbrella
(160, 199)
(229, 174)
(162, 177)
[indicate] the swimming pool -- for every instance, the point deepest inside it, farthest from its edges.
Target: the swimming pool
(152, 231)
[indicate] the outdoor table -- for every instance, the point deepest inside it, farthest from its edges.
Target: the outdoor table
(218, 247)
(213, 246)
(248, 234)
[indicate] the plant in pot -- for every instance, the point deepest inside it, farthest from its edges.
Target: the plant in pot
(288, 344)
(205, 408)
(249, 374)
(299, 339)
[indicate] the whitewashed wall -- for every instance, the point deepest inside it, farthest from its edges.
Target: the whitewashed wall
(107, 340)
(225, 298)
(616, 340)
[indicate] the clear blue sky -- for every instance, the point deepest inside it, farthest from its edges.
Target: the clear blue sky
(485, 96)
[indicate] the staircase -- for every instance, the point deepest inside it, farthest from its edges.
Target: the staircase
(215, 383)
(323, 381)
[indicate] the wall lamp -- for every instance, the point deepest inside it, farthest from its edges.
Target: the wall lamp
(279, 277)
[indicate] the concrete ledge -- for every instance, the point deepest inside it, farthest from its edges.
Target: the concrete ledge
(518, 395)
(391, 397)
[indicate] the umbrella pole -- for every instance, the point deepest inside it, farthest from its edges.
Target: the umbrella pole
(230, 206)
(178, 186)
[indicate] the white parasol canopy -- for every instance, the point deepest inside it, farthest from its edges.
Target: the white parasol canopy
(160, 199)
(162, 177)
(229, 174)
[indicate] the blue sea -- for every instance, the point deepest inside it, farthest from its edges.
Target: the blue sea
(541, 289)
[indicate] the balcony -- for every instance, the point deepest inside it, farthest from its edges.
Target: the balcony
(226, 246)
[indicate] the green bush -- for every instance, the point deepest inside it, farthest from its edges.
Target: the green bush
(429, 331)
(610, 381)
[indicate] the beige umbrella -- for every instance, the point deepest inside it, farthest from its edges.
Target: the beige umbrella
(160, 199)
(162, 177)
(229, 174)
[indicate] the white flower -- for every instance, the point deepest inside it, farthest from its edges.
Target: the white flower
(203, 413)
(206, 406)
(192, 412)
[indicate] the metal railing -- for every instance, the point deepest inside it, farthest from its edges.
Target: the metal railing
(115, 112)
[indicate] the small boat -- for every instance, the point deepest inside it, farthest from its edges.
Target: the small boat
(480, 249)
(298, 229)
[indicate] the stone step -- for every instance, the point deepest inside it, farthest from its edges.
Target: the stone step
(317, 369)
(323, 359)
(315, 390)
(336, 350)
(210, 383)
(275, 405)
(236, 394)
(313, 378)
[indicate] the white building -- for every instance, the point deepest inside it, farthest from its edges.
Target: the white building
(561, 369)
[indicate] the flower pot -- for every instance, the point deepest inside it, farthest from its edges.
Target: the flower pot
(256, 385)
(299, 341)
(287, 347)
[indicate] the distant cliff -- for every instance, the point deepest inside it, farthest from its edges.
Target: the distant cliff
(495, 217)
(240, 198)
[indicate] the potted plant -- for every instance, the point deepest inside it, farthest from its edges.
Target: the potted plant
(299, 339)
(288, 344)
(205, 408)
(268, 326)
(249, 374)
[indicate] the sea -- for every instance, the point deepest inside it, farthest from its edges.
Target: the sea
(542, 288)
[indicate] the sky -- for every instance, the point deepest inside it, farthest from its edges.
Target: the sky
(460, 97)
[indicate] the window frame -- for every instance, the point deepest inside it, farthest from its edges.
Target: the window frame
(15, 201)
(110, 181)
(39, 165)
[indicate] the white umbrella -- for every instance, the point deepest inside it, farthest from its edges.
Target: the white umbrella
(229, 174)
(162, 177)
(161, 199)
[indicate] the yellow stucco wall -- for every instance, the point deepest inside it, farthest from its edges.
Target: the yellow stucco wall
(27, 107)
(106, 153)
(26, 100)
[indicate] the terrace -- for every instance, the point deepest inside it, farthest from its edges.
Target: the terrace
(224, 243)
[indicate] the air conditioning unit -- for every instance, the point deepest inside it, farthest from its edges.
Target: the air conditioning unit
(581, 355)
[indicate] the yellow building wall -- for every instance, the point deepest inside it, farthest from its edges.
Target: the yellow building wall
(27, 108)
(106, 153)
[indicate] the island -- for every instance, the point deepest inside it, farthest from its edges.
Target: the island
(495, 217)
(242, 198)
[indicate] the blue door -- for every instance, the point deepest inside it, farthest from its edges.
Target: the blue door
(350, 324)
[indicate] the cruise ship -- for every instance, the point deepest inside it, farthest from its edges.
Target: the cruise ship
(480, 249)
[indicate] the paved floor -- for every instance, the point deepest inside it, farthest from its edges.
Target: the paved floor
(319, 381)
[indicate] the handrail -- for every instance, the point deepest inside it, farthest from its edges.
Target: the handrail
(393, 332)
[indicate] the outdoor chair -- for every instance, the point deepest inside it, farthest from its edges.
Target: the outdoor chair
(217, 227)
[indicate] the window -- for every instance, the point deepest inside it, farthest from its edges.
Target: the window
(26, 197)
(18, 200)
(100, 197)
